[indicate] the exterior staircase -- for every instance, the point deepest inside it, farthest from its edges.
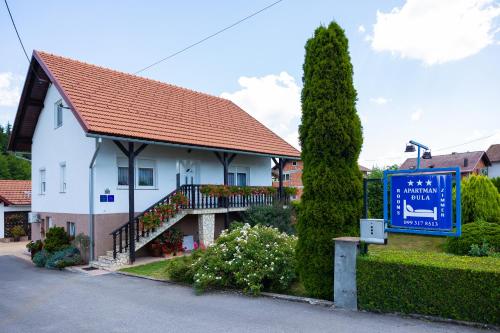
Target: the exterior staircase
(120, 255)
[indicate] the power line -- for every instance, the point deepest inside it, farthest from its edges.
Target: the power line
(466, 143)
(17, 32)
(209, 36)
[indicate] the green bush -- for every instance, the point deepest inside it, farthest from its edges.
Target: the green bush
(17, 231)
(480, 200)
(56, 239)
(40, 258)
(436, 284)
(331, 138)
(70, 256)
(496, 182)
(474, 233)
(275, 216)
(249, 258)
(182, 269)
(484, 250)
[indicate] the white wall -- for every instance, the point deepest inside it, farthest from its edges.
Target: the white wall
(68, 144)
(211, 172)
(494, 170)
(51, 146)
(4, 209)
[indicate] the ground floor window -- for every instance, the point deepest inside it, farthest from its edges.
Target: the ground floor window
(71, 229)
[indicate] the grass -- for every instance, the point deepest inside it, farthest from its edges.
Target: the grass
(157, 269)
(411, 242)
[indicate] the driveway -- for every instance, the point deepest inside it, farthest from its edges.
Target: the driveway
(41, 300)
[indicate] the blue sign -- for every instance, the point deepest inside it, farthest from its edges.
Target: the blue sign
(422, 202)
(419, 201)
(107, 198)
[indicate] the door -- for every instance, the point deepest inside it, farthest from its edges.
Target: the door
(188, 172)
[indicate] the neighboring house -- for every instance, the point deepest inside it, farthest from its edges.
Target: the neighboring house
(494, 156)
(15, 203)
(292, 176)
(85, 125)
(474, 162)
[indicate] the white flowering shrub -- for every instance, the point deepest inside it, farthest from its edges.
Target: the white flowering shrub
(249, 258)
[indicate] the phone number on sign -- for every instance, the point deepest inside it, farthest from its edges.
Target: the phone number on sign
(421, 223)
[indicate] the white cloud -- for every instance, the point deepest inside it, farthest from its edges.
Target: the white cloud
(380, 100)
(274, 100)
(10, 90)
(415, 116)
(361, 29)
(436, 32)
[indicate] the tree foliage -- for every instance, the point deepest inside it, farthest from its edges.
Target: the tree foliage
(480, 200)
(11, 167)
(331, 138)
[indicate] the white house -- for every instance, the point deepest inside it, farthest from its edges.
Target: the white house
(85, 125)
(15, 203)
(494, 155)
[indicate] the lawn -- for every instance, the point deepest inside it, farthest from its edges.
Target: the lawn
(411, 242)
(157, 269)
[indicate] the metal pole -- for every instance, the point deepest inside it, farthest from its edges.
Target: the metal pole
(131, 209)
(280, 186)
(418, 158)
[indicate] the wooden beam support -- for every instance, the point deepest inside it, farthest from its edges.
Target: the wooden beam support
(140, 149)
(131, 208)
(122, 148)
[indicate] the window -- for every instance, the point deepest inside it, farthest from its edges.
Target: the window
(146, 173)
(242, 179)
(43, 185)
(294, 163)
(230, 179)
(71, 229)
(122, 172)
(62, 177)
(238, 176)
(286, 177)
(58, 114)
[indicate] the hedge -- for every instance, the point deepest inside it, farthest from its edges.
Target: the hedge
(436, 284)
(475, 233)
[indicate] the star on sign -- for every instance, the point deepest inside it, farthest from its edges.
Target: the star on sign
(429, 182)
(419, 182)
(410, 183)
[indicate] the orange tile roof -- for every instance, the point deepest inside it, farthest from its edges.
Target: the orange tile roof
(15, 192)
(118, 104)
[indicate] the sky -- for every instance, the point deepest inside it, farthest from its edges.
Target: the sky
(424, 70)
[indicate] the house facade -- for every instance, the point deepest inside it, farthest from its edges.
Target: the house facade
(493, 153)
(475, 162)
(15, 204)
(86, 125)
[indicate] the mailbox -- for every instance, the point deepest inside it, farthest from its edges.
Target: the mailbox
(373, 231)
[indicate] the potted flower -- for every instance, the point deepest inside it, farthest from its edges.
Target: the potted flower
(17, 232)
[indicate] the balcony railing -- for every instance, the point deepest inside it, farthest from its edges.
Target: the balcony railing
(197, 199)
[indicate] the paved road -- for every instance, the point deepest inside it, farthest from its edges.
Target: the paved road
(40, 300)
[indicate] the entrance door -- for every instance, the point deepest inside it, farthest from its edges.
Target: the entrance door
(188, 172)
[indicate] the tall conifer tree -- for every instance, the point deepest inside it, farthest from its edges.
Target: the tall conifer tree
(331, 139)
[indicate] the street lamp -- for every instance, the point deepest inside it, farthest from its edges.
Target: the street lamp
(410, 148)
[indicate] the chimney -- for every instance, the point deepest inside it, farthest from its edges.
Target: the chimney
(466, 162)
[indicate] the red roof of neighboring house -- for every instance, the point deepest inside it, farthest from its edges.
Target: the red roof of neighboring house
(15, 192)
(449, 160)
(113, 103)
(494, 153)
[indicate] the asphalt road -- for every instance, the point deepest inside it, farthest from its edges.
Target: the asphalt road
(41, 300)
